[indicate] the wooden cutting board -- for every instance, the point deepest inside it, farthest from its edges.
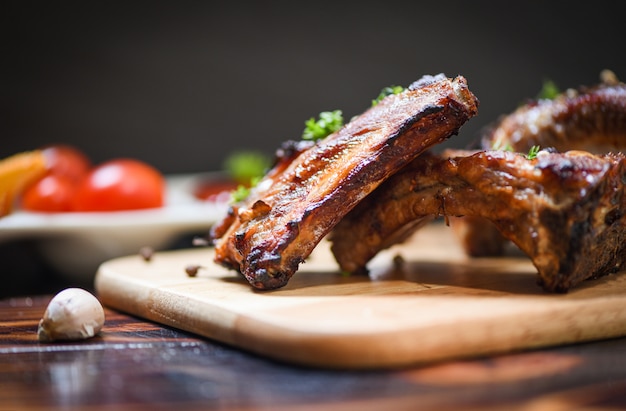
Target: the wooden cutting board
(433, 303)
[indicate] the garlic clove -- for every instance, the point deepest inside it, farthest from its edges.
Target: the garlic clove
(72, 314)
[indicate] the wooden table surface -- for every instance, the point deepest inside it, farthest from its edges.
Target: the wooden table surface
(136, 364)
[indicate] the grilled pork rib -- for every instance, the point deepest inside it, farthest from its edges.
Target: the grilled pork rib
(307, 193)
(589, 118)
(566, 211)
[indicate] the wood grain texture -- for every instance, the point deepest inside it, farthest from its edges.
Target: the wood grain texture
(424, 301)
(137, 365)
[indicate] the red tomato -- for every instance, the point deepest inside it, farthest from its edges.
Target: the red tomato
(68, 161)
(120, 184)
(53, 193)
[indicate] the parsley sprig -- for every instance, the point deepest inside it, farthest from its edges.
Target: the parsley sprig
(497, 145)
(243, 191)
(327, 123)
(532, 153)
(246, 168)
(549, 91)
(387, 91)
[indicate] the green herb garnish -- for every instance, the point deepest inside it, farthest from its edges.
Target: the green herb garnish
(498, 146)
(239, 194)
(327, 123)
(549, 91)
(387, 91)
(243, 190)
(245, 166)
(532, 153)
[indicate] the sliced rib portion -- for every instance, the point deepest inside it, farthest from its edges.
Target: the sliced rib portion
(591, 119)
(566, 211)
(588, 118)
(299, 201)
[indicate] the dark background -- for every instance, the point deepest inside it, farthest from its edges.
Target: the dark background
(183, 84)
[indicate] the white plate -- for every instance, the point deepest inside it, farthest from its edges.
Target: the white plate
(75, 244)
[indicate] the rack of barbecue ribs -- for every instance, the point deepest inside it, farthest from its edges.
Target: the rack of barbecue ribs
(590, 118)
(565, 208)
(376, 181)
(314, 185)
(566, 211)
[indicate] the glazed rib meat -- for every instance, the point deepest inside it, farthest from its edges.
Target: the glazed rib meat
(308, 192)
(566, 211)
(591, 119)
(588, 118)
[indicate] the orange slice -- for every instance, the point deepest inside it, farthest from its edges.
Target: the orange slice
(16, 173)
